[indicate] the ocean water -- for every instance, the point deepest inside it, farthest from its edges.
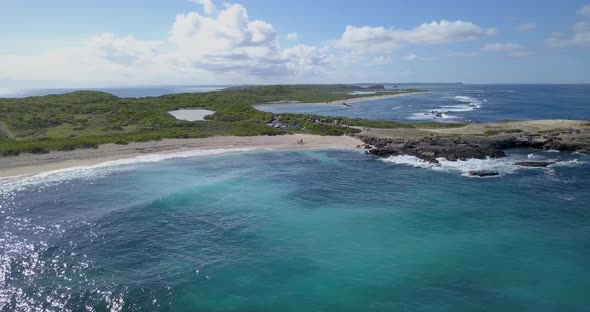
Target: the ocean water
(463, 102)
(317, 230)
(128, 92)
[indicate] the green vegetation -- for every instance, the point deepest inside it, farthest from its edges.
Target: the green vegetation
(308, 93)
(86, 119)
(307, 120)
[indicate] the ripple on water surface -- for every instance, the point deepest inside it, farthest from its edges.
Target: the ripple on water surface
(312, 230)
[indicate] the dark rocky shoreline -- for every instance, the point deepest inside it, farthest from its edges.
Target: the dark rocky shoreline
(457, 146)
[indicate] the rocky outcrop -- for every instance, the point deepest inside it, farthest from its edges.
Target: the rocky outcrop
(536, 164)
(429, 146)
(484, 173)
(429, 149)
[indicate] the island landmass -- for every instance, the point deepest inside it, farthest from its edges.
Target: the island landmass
(85, 127)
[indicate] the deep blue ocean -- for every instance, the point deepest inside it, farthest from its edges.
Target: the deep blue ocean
(461, 102)
(129, 92)
(315, 230)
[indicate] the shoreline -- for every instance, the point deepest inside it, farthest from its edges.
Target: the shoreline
(471, 141)
(14, 168)
(348, 101)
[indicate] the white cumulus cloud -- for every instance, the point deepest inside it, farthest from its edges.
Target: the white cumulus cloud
(512, 49)
(380, 39)
(208, 6)
(580, 37)
(302, 59)
(226, 45)
(231, 41)
(292, 36)
(585, 11)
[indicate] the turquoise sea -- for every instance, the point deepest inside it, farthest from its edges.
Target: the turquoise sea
(315, 230)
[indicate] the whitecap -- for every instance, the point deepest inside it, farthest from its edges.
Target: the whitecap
(457, 108)
(434, 115)
(409, 160)
(503, 166)
(569, 163)
(463, 167)
(467, 99)
(464, 99)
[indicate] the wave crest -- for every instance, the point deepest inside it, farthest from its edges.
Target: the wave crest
(503, 166)
(60, 175)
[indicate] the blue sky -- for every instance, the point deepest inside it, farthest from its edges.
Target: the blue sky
(67, 43)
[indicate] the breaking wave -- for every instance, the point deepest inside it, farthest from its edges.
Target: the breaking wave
(461, 104)
(57, 176)
(433, 115)
(503, 166)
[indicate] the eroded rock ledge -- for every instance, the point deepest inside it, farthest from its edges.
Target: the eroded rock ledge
(479, 140)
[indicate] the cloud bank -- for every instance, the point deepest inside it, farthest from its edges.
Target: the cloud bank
(579, 37)
(226, 45)
(379, 39)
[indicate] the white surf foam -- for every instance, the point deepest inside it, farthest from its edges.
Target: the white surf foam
(569, 163)
(463, 104)
(464, 99)
(432, 116)
(471, 101)
(409, 160)
(56, 176)
(456, 108)
(503, 166)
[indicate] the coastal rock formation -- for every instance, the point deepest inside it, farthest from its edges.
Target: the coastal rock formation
(483, 173)
(534, 163)
(431, 148)
(481, 140)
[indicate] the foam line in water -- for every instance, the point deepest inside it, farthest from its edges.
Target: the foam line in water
(462, 103)
(471, 101)
(433, 116)
(503, 166)
(59, 175)
(456, 108)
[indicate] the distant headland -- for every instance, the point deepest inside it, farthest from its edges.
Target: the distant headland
(46, 130)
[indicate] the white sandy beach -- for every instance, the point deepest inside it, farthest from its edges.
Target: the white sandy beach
(14, 168)
(24, 165)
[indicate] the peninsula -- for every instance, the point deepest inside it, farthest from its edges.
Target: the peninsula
(83, 128)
